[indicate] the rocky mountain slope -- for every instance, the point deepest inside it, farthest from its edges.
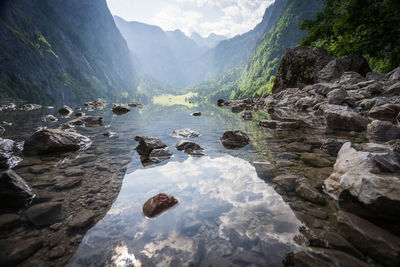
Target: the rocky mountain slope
(62, 51)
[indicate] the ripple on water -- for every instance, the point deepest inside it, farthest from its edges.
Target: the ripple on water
(225, 215)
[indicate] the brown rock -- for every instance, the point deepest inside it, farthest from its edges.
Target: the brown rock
(158, 204)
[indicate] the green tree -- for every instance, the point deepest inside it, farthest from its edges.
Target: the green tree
(369, 28)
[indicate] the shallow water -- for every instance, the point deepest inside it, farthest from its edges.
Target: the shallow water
(227, 213)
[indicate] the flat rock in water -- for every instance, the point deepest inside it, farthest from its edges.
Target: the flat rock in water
(99, 103)
(55, 140)
(68, 182)
(29, 107)
(185, 133)
(49, 118)
(196, 114)
(234, 139)
(158, 204)
(14, 191)
(43, 214)
(87, 121)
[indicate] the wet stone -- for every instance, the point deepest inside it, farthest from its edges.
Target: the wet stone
(68, 182)
(19, 251)
(157, 204)
(8, 221)
(81, 220)
(14, 191)
(74, 172)
(185, 133)
(234, 139)
(43, 214)
(307, 192)
(65, 110)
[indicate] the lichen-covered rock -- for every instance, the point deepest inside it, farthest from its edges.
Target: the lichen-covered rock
(14, 191)
(157, 204)
(343, 118)
(383, 131)
(55, 140)
(299, 67)
(234, 139)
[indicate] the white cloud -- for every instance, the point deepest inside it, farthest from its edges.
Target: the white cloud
(227, 17)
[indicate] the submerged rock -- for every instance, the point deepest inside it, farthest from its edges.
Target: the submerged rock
(44, 214)
(120, 109)
(366, 183)
(87, 121)
(14, 191)
(234, 139)
(158, 204)
(65, 111)
(190, 148)
(375, 242)
(55, 140)
(81, 220)
(185, 133)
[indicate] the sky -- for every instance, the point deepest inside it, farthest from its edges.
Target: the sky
(225, 17)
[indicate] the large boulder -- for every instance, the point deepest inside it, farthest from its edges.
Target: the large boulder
(234, 139)
(387, 112)
(343, 118)
(55, 140)
(337, 96)
(14, 191)
(366, 183)
(383, 131)
(300, 66)
(7, 149)
(336, 67)
(157, 204)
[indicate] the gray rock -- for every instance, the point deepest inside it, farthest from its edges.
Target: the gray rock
(14, 192)
(234, 139)
(272, 124)
(343, 118)
(359, 183)
(375, 76)
(286, 181)
(87, 121)
(44, 214)
(246, 115)
(299, 67)
(65, 110)
(383, 131)
(29, 107)
(185, 133)
(190, 148)
(338, 66)
(99, 103)
(337, 96)
(375, 88)
(387, 112)
(160, 154)
(19, 251)
(10, 106)
(315, 160)
(375, 242)
(331, 147)
(393, 90)
(147, 144)
(349, 80)
(55, 140)
(120, 109)
(49, 118)
(307, 192)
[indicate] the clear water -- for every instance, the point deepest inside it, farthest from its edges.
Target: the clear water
(227, 214)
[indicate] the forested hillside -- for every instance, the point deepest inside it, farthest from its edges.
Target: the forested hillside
(62, 51)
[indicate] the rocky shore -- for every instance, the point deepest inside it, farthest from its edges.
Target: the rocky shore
(340, 121)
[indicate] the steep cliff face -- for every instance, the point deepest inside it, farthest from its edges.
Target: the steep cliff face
(55, 50)
(265, 58)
